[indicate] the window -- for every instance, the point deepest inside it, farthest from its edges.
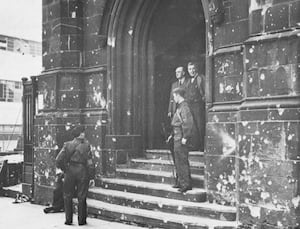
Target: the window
(3, 43)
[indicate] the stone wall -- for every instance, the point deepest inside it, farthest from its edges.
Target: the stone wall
(253, 126)
(72, 87)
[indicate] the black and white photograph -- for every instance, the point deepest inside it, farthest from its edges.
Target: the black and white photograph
(150, 114)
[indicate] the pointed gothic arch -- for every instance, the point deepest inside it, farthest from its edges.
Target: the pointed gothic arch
(130, 65)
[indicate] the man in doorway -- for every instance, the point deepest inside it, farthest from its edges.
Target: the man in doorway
(182, 123)
(75, 159)
(181, 81)
(196, 100)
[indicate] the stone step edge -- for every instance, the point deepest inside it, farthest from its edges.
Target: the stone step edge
(150, 185)
(166, 151)
(164, 162)
(155, 173)
(160, 216)
(164, 201)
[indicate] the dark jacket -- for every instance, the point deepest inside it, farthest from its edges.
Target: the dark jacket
(183, 122)
(76, 151)
(64, 156)
(195, 91)
(172, 104)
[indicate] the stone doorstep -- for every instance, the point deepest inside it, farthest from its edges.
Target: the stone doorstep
(155, 176)
(165, 162)
(164, 165)
(154, 218)
(141, 201)
(166, 155)
(154, 189)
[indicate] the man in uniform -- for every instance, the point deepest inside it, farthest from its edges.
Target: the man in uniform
(182, 124)
(195, 96)
(75, 159)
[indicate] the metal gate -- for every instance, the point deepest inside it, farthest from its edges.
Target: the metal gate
(29, 96)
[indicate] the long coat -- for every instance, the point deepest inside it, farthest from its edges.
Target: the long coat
(195, 96)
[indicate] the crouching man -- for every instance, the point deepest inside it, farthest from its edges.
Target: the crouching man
(75, 159)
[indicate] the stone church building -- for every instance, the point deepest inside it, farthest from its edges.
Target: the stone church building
(109, 64)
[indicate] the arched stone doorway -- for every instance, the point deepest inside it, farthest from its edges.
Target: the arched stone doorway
(147, 40)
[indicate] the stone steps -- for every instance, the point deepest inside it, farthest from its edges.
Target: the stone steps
(102, 209)
(166, 155)
(153, 189)
(156, 176)
(148, 202)
(142, 193)
(164, 165)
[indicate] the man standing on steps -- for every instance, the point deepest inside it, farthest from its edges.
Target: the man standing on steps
(181, 81)
(195, 96)
(182, 124)
(75, 159)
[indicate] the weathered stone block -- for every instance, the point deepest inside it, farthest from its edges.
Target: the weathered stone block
(267, 217)
(44, 168)
(92, 24)
(294, 14)
(292, 140)
(71, 8)
(43, 194)
(67, 26)
(70, 59)
(92, 7)
(67, 42)
(228, 65)
(94, 42)
(287, 114)
(222, 117)
(256, 21)
(256, 55)
(95, 90)
(277, 17)
(53, 11)
(46, 92)
(239, 10)
(253, 115)
(231, 33)
(69, 99)
(46, 136)
(228, 89)
(221, 139)
(95, 58)
(252, 84)
(221, 178)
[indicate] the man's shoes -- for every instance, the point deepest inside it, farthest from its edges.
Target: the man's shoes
(176, 186)
(184, 189)
(68, 223)
(82, 223)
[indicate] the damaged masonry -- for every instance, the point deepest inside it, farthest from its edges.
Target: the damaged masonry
(108, 65)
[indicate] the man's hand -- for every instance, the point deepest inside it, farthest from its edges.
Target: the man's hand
(92, 183)
(169, 138)
(183, 141)
(169, 114)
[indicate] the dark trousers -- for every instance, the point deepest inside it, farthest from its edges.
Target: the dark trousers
(182, 164)
(198, 112)
(76, 179)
